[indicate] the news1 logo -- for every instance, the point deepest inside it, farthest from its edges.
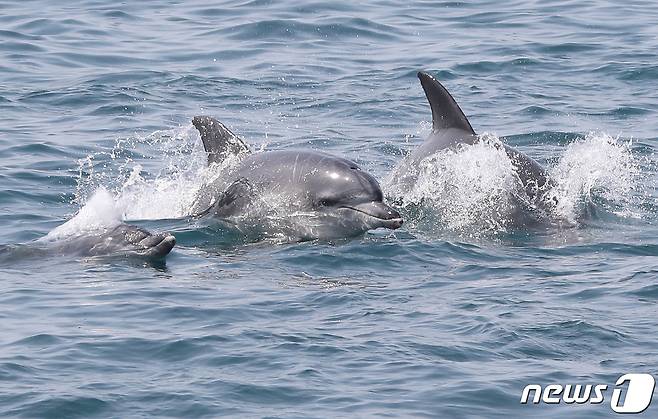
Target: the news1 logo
(632, 393)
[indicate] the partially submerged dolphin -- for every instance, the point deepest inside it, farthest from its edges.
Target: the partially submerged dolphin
(331, 196)
(123, 240)
(97, 230)
(450, 128)
(120, 240)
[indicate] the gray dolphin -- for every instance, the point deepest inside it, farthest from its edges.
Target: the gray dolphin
(120, 240)
(450, 127)
(123, 239)
(332, 196)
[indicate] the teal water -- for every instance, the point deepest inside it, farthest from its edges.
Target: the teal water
(450, 316)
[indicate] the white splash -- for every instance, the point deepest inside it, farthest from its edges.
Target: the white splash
(164, 185)
(473, 189)
(468, 189)
(113, 187)
(99, 213)
(596, 166)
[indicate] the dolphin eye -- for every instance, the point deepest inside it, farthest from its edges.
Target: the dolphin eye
(327, 202)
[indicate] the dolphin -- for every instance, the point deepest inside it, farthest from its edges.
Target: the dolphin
(331, 196)
(123, 240)
(97, 230)
(450, 128)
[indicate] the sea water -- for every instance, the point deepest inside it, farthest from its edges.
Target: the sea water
(450, 316)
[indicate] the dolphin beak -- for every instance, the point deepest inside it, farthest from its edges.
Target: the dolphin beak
(387, 217)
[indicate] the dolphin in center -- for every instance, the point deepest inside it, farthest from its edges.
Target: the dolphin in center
(315, 195)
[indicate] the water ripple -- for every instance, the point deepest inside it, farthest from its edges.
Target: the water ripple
(424, 321)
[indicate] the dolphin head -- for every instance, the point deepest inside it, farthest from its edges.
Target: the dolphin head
(331, 196)
(338, 188)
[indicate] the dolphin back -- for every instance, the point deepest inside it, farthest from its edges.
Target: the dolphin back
(218, 141)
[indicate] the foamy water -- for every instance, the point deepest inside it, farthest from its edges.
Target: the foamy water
(473, 190)
(165, 189)
(99, 213)
(598, 169)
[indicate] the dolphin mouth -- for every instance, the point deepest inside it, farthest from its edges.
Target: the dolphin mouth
(386, 216)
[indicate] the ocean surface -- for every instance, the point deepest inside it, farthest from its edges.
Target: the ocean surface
(450, 316)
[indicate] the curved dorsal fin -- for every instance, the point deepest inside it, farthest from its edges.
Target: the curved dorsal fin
(218, 141)
(445, 111)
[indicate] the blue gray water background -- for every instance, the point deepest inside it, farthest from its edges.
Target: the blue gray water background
(430, 320)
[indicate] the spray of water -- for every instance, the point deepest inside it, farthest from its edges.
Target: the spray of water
(99, 213)
(151, 177)
(596, 170)
(473, 190)
(459, 189)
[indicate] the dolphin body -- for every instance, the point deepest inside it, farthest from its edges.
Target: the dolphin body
(321, 196)
(450, 127)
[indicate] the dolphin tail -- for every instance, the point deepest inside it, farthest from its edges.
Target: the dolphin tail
(218, 141)
(445, 111)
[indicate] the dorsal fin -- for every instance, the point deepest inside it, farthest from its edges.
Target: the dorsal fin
(445, 111)
(218, 141)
